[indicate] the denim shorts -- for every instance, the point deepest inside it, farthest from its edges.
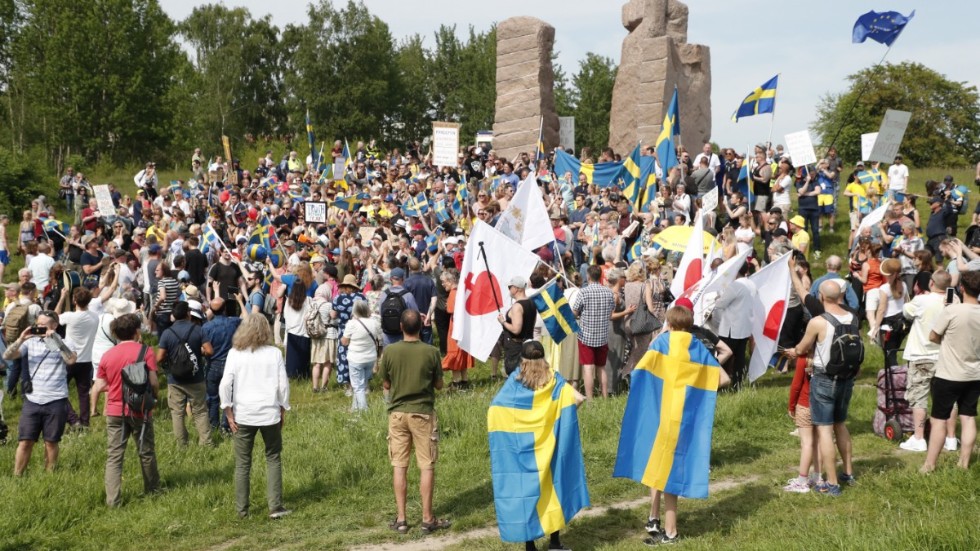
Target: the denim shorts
(829, 399)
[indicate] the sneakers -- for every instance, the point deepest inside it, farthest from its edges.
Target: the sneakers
(797, 485)
(814, 479)
(661, 539)
(653, 526)
(279, 513)
(914, 444)
(952, 444)
(795, 432)
(848, 479)
(824, 488)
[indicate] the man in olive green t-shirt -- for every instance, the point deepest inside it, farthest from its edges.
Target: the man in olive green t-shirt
(411, 371)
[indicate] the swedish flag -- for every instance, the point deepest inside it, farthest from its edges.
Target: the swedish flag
(210, 239)
(665, 441)
(555, 312)
(637, 174)
(441, 214)
(350, 204)
(744, 185)
(535, 459)
(462, 195)
(260, 235)
(635, 251)
(865, 177)
(666, 152)
(761, 100)
(309, 135)
(57, 226)
(602, 174)
(415, 206)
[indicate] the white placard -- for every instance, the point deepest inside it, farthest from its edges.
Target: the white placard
(800, 148)
(709, 202)
(867, 144)
(339, 168)
(566, 133)
(104, 198)
(316, 212)
(890, 136)
(445, 143)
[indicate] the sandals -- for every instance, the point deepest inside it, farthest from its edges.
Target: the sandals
(399, 526)
(435, 525)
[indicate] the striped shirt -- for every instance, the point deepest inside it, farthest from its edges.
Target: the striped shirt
(172, 290)
(594, 306)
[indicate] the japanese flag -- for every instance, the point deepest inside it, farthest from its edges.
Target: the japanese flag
(773, 283)
(689, 271)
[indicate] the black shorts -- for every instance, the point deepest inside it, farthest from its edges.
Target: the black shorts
(43, 419)
(946, 394)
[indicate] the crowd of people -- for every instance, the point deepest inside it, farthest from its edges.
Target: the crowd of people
(354, 277)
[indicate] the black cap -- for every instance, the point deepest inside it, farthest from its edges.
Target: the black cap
(948, 178)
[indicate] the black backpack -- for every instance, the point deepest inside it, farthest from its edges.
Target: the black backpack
(137, 393)
(183, 363)
(846, 349)
(391, 312)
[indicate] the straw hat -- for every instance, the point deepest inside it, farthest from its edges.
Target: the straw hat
(891, 267)
(350, 281)
(120, 306)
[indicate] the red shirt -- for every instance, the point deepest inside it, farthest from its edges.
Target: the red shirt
(799, 390)
(110, 369)
(91, 224)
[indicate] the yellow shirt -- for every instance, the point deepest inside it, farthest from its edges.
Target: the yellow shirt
(857, 189)
(801, 242)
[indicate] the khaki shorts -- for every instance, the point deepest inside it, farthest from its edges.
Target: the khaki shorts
(855, 217)
(406, 430)
(802, 417)
(919, 381)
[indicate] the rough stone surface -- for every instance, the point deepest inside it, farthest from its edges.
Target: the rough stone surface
(655, 58)
(525, 87)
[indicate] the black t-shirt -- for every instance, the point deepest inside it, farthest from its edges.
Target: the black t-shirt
(196, 264)
(226, 275)
(88, 259)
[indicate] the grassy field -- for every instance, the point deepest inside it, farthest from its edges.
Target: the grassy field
(338, 481)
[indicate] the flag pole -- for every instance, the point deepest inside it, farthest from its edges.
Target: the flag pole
(493, 287)
(772, 120)
(864, 87)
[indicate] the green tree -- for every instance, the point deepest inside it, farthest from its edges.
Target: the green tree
(565, 95)
(413, 117)
(464, 79)
(593, 84)
(236, 87)
(945, 125)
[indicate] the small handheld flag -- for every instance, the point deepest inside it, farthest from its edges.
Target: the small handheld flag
(555, 312)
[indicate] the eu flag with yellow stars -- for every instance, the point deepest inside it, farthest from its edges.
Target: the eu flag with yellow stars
(759, 101)
(665, 441)
(535, 459)
(881, 27)
(666, 151)
(555, 312)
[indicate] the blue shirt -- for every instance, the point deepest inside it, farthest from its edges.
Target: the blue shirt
(289, 279)
(218, 333)
(422, 288)
(849, 297)
(511, 179)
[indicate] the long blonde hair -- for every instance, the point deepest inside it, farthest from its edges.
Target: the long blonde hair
(535, 373)
(254, 332)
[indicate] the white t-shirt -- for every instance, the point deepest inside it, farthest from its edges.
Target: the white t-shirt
(895, 305)
(296, 319)
(782, 198)
(362, 349)
(40, 267)
(744, 233)
(898, 177)
(922, 311)
(80, 328)
(103, 340)
(713, 161)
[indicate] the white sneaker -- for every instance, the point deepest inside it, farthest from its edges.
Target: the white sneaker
(797, 485)
(914, 444)
(952, 444)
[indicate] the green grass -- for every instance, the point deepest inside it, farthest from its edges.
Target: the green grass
(338, 481)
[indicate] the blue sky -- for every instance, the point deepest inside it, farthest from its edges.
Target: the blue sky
(808, 43)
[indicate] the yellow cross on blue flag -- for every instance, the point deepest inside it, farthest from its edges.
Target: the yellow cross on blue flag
(602, 174)
(881, 27)
(759, 101)
(665, 441)
(261, 233)
(535, 459)
(350, 204)
(555, 312)
(666, 151)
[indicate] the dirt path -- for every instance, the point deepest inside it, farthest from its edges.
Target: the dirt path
(446, 540)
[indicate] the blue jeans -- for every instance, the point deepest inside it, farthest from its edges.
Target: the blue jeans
(425, 335)
(829, 399)
(212, 380)
(360, 374)
(812, 218)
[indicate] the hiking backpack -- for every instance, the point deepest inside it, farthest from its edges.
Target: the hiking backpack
(846, 349)
(137, 393)
(184, 363)
(315, 328)
(268, 307)
(391, 312)
(16, 322)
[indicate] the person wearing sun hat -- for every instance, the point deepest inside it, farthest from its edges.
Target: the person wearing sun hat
(800, 238)
(343, 311)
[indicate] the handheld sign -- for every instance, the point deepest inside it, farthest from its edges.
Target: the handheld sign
(445, 143)
(800, 148)
(890, 136)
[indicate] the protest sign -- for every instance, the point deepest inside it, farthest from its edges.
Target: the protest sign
(445, 143)
(867, 144)
(566, 133)
(316, 211)
(890, 136)
(800, 148)
(709, 202)
(104, 198)
(367, 233)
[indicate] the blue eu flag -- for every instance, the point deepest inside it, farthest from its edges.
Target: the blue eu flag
(883, 27)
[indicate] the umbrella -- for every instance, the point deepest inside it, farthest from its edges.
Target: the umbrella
(675, 238)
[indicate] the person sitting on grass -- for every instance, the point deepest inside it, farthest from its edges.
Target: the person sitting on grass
(957, 378)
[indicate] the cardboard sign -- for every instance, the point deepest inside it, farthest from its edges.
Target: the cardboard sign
(316, 212)
(890, 136)
(339, 169)
(566, 133)
(445, 143)
(800, 148)
(709, 202)
(867, 144)
(367, 233)
(104, 198)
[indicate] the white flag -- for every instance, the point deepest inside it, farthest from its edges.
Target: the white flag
(703, 293)
(482, 292)
(526, 219)
(768, 313)
(874, 216)
(689, 270)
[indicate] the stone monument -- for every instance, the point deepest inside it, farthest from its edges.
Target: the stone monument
(655, 58)
(525, 87)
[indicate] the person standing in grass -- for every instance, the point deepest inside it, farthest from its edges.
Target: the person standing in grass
(254, 393)
(799, 411)
(120, 423)
(957, 378)
(411, 372)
